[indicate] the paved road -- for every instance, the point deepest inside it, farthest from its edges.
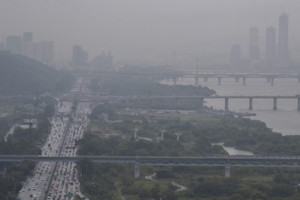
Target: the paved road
(58, 180)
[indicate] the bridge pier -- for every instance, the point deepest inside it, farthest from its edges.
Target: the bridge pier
(226, 103)
(178, 136)
(275, 103)
(298, 104)
(244, 80)
(272, 81)
(177, 101)
(162, 135)
(227, 171)
(136, 170)
(135, 135)
(174, 79)
(250, 103)
(219, 80)
(237, 79)
(201, 101)
(196, 80)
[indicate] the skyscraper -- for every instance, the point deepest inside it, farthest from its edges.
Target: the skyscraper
(80, 56)
(27, 48)
(270, 46)
(103, 62)
(27, 37)
(2, 46)
(253, 44)
(14, 44)
(43, 51)
(47, 52)
(283, 40)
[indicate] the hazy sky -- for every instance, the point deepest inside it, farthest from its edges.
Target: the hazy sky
(146, 29)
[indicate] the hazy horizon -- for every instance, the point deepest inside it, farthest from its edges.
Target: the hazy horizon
(150, 31)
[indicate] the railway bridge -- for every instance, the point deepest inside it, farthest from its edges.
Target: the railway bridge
(208, 161)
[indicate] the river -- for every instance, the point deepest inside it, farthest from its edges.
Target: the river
(285, 120)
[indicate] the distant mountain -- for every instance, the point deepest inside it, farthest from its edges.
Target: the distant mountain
(22, 75)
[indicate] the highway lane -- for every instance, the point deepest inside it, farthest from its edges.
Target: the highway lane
(36, 186)
(62, 136)
(65, 183)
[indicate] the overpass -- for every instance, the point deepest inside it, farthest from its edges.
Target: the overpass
(102, 98)
(215, 160)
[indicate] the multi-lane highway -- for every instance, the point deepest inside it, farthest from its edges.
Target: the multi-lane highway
(65, 183)
(58, 180)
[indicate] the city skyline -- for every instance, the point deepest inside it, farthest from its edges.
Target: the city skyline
(148, 32)
(277, 51)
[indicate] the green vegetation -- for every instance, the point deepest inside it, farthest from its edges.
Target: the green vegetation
(195, 129)
(133, 128)
(198, 131)
(21, 142)
(137, 85)
(11, 178)
(22, 75)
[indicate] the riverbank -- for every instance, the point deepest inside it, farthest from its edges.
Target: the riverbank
(285, 120)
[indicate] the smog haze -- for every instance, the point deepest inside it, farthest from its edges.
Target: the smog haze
(150, 31)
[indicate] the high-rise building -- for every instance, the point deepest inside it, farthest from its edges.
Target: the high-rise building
(27, 37)
(104, 62)
(47, 52)
(27, 47)
(79, 56)
(253, 44)
(283, 40)
(235, 56)
(2, 46)
(270, 46)
(43, 51)
(14, 44)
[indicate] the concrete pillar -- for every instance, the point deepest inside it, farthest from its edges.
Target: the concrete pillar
(227, 171)
(174, 79)
(244, 80)
(135, 134)
(178, 136)
(272, 81)
(201, 101)
(226, 104)
(274, 103)
(237, 79)
(177, 101)
(162, 135)
(219, 80)
(251, 103)
(196, 80)
(298, 104)
(205, 78)
(136, 170)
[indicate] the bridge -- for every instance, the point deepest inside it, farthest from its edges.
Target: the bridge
(270, 77)
(101, 98)
(215, 160)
